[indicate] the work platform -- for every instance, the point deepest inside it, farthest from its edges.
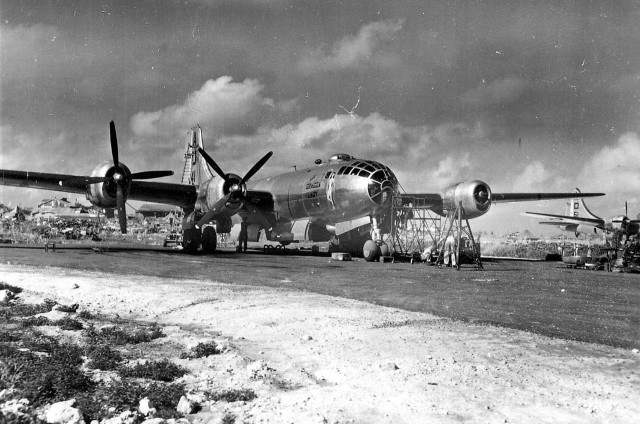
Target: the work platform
(418, 234)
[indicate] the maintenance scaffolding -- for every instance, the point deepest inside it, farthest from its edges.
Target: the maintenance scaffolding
(418, 234)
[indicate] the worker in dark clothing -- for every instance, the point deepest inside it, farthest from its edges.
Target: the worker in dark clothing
(243, 237)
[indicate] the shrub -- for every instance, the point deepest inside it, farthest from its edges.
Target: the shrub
(67, 323)
(25, 310)
(102, 357)
(233, 395)
(35, 321)
(48, 379)
(118, 336)
(86, 315)
(13, 289)
(126, 395)
(164, 370)
(202, 350)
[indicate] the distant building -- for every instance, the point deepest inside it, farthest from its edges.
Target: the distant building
(155, 210)
(62, 208)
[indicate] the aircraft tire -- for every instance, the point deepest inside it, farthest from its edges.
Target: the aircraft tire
(209, 240)
(371, 251)
(190, 241)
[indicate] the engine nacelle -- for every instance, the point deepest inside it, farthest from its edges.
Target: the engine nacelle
(619, 222)
(104, 195)
(474, 197)
(587, 229)
(217, 188)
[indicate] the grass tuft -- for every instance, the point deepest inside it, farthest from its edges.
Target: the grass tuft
(233, 395)
(118, 336)
(164, 370)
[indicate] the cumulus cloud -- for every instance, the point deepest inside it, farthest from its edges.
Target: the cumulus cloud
(497, 92)
(615, 171)
(224, 106)
(533, 177)
(449, 170)
(366, 47)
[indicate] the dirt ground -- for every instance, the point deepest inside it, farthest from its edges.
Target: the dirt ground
(314, 359)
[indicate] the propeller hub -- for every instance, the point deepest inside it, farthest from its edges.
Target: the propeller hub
(118, 177)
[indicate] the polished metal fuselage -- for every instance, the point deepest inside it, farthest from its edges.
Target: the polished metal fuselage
(331, 192)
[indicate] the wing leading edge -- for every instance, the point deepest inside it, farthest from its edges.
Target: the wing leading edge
(436, 200)
(168, 193)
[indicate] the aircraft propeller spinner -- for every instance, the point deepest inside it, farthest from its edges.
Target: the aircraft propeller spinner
(236, 189)
(121, 177)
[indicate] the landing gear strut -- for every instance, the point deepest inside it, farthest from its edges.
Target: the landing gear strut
(373, 248)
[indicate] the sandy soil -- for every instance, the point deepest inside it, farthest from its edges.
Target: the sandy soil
(316, 359)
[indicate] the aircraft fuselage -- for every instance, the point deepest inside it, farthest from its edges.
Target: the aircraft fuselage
(342, 189)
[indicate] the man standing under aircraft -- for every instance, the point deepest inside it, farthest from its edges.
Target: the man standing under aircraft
(243, 236)
(450, 251)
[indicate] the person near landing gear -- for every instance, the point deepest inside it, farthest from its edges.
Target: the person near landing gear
(243, 237)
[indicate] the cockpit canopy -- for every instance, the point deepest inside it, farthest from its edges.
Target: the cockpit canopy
(340, 157)
(382, 182)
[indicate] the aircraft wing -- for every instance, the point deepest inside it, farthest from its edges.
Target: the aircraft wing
(527, 197)
(435, 201)
(58, 182)
(169, 193)
(563, 219)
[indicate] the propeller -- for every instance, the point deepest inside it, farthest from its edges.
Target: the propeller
(236, 188)
(120, 178)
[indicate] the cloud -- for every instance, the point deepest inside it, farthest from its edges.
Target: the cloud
(365, 48)
(449, 170)
(533, 177)
(615, 171)
(497, 92)
(223, 106)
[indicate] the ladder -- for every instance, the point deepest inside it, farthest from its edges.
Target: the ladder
(188, 158)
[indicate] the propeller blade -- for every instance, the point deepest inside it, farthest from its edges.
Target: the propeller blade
(122, 211)
(255, 168)
(114, 143)
(257, 213)
(148, 175)
(217, 207)
(213, 164)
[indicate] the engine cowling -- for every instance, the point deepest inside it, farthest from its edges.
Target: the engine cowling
(217, 188)
(474, 197)
(587, 229)
(103, 195)
(619, 222)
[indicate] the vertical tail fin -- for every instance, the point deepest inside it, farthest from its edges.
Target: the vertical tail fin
(196, 169)
(577, 207)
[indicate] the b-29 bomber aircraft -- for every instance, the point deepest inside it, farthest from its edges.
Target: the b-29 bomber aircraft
(579, 219)
(345, 198)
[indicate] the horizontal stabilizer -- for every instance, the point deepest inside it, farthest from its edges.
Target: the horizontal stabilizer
(562, 219)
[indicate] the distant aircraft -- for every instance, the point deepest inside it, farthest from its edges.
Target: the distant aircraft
(345, 198)
(579, 219)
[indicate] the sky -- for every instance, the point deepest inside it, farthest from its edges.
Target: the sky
(526, 96)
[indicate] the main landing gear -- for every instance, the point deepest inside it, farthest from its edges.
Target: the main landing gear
(194, 238)
(375, 248)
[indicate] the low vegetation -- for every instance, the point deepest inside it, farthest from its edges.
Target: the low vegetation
(45, 370)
